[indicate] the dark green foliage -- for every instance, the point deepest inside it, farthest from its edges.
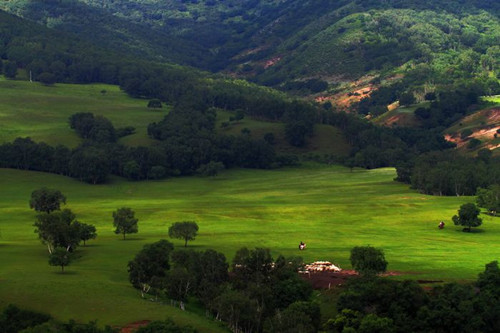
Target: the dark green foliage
(466, 133)
(490, 278)
(299, 317)
(150, 265)
(95, 128)
(47, 78)
(46, 200)
(125, 131)
(154, 103)
(484, 155)
(208, 271)
(89, 164)
(124, 221)
(211, 169)
(407, 99)
(13, 319)
(167, 326)
(368, 260)
(60, 257)
(473, 143)
(269, 138)
(10, 70)
(271, 285)
(86, 231)
(58, 229)
(238, 310)
(395, 300)
(449, 173)
(430, 96)
(186, 230)
(489, 198)
(468, 216)
(239, 115)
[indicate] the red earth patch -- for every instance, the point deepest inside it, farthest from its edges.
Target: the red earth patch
(132, 327)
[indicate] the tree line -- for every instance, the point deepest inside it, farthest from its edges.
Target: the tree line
(449, 173)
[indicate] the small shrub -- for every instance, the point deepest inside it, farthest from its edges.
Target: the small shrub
(473, 143)
(154, 104)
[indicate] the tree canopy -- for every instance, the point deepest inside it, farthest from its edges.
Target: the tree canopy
(124, 221)
(468, 216)
(46, 200)
(186, 230)
(368, 260)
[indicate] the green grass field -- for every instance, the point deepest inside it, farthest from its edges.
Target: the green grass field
(328, 207)
(42, 112)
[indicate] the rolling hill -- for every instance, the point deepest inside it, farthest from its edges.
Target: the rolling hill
(274, 42)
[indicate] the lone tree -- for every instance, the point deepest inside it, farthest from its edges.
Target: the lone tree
(468, 217)
(125, 222)
(60, 257)
(46, 200)
(86, 231)
(186, 230)
(368, 260)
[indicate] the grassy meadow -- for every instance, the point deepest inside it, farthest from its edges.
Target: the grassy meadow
(42, 112)
(328, 207)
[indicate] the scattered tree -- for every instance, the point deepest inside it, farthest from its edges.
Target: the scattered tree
(58, 229)
(86, 231)
(60, 257)
(468, 217)
(368, 260)
(186, 230)
(125, 222)
(46, 200)
(473, 143)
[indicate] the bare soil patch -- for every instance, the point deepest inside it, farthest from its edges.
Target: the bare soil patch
(132, 327)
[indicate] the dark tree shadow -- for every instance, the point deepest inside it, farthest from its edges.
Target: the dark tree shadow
(65, 272)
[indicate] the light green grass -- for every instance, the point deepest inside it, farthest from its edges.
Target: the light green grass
(329, 208)
(42, 112)
(492, 99)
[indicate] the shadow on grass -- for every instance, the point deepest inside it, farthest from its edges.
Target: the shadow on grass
(473, 231)
(65, 272)
(131, 239)
(90, 245)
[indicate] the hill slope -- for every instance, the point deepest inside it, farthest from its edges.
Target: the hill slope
(279, 41)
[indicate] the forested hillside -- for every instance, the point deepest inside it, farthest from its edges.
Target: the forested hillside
(414, 51)
(275, 42)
